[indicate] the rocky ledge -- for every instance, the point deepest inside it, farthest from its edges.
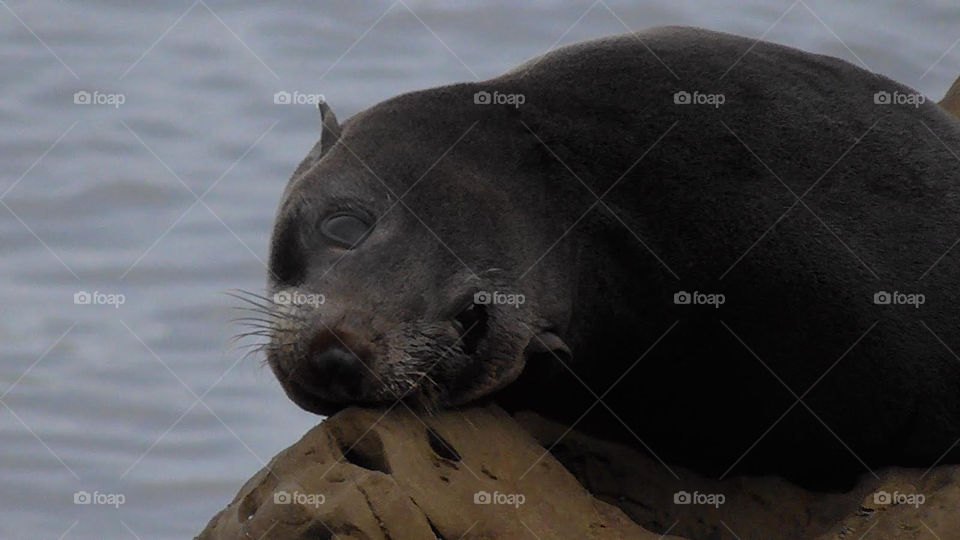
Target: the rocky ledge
(482, 474)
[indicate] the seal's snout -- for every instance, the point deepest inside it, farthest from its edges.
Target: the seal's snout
(336, 365)
(339, 372)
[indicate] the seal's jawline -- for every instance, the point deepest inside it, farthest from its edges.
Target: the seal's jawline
(415, 397)
(299, 395)
(309, 401)
(499, 383)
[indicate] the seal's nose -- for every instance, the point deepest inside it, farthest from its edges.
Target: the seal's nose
(339, 372)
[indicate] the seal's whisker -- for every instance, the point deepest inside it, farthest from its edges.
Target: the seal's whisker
(259, 346)
(271, 306)
(258, 328)
(249, 351)
(245, 320)
(236, 343)
(264, 325)
(236, 292)
(262, 311)
(271, 346)
(246, 296)
(259, 331)
(421, 376)
(430, 380)
(265, 332)
(252, 351)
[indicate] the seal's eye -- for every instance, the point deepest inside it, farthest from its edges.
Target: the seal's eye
(345, 229)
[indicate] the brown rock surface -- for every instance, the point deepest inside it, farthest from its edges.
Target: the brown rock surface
(365, 475)
(757, 507)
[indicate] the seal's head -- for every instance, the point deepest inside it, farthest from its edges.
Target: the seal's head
(396, 268)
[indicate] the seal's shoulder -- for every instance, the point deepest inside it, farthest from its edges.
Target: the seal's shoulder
(675, 51)
(614, 48)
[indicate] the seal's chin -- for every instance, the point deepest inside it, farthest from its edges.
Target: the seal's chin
(312, 400)
(319, 400)
(301, 395)
(309, 399)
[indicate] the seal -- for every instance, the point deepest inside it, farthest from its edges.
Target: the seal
(734, 254)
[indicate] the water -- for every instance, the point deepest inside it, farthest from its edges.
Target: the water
(168, 198)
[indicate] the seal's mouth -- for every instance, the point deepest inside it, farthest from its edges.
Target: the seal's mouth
(309, 398)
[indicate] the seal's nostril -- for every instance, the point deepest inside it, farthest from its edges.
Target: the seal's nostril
(338, 370)
(334, 359)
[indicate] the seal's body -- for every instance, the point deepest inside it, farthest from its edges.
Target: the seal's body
(742, 249)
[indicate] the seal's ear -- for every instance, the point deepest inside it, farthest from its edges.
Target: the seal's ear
(951, 101)
(331, 129)
(548, 343)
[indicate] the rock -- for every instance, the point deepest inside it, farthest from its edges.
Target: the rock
(896, 504)
(481, 474)
(471, 474)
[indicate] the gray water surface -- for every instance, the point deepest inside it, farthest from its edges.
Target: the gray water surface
(148, 399)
